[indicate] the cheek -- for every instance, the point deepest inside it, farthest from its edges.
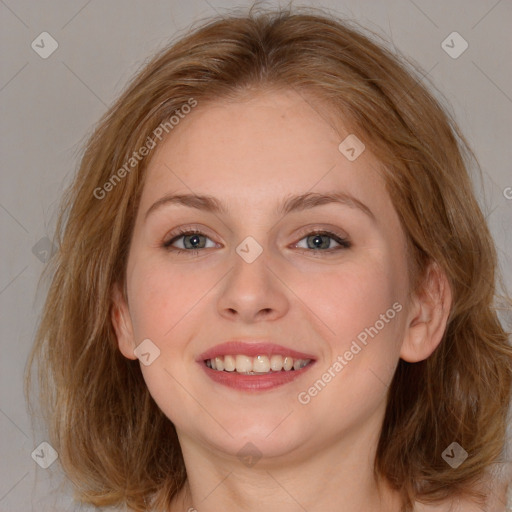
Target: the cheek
(164, 304)
(361, 305)
(164, 295)
(361, 308)
(351, 298)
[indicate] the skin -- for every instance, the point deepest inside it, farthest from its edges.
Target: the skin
(251, 154)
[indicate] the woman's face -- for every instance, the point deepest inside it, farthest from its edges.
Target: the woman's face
(258, 272)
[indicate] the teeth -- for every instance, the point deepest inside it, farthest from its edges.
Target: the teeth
(287, 363)
(229, 363)
(276, 363)
(261, 364)
(243, 364)
(256, 365)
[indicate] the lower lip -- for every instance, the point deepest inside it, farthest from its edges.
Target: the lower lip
(254, 382)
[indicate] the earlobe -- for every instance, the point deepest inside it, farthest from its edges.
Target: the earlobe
(428, 316)
(121, 321)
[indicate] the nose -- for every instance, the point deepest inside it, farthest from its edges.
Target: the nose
(253, 292)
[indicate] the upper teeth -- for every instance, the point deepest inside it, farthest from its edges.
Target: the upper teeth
(258, 364)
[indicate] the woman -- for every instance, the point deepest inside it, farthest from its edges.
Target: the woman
(274, 287)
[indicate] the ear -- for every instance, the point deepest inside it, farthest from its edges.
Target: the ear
(122, 323)
(428, 315)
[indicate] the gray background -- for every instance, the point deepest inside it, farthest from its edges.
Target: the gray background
(48, 107)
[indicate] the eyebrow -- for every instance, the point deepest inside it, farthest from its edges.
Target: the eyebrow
(294, 203)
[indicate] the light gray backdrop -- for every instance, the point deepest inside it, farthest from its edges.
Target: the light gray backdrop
(49, 102)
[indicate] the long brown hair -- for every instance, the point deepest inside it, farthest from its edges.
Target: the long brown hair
(114, 442)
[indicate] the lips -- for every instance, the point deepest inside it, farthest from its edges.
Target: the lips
(252, 349)
(253, 380)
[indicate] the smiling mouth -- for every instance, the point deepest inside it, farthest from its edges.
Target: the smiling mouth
(259, 365)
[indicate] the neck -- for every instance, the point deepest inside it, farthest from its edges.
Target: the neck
(334, 476)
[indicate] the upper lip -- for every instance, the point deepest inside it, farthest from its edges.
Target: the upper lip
(252, 348)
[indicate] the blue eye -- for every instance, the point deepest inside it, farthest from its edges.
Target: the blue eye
(320, 240)
(317, 241)
(192, 240)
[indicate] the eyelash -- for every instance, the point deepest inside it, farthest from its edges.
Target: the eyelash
(344, 243)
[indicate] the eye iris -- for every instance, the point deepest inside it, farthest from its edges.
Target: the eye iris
(194, 240)
(317, 241)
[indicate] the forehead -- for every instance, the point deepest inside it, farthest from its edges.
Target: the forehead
(258, 149)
